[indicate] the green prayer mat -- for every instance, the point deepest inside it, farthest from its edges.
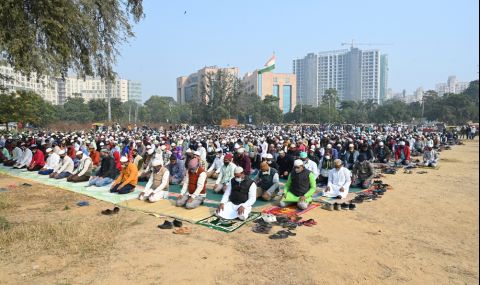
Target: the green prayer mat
(224, 225)
(100, 193)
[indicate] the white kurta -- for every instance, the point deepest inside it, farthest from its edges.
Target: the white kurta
(312, 166)
(338, 179)
(230, 210)
(159, 193)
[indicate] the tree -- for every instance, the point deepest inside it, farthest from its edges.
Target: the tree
(52, 37)
(76, 110)
(99, 109)
(331, 99)
(26, 107)
(472, 91)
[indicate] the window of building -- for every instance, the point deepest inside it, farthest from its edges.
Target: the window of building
(275, 90)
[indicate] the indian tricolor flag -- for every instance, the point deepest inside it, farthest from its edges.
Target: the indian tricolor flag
(269, 66)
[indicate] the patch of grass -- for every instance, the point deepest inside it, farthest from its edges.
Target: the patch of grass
(66, 237)
(4, 224)
(4, 203)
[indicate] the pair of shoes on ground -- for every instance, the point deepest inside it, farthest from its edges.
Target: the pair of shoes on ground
(167, 225)
(109, 212)
(344, 206)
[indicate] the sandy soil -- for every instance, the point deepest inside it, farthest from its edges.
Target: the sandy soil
(425, 231)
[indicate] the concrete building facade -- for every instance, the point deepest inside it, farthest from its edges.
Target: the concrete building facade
(280, 85)
(188, 87)
(14, 81)
(452, 86)
(357, 75)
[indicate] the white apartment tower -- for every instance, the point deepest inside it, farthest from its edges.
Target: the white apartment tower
(356, 75)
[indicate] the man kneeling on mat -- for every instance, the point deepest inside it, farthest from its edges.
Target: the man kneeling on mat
(157, 185)
(338, 181)
(194, 188)
(268, 181)
(300, 187)
(362, 172)
(128, 179)
(239, 197)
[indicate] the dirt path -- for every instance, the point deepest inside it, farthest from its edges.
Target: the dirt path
(425, 231)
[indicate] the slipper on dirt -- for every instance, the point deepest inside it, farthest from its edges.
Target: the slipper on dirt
(279, 235)
(182, 231)
(259, 229)
(116, 210)
(336, 206)
(309, 223)
(27, 184)
(83, 203)
(290, 233)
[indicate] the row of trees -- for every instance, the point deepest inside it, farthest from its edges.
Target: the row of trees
(222, 97)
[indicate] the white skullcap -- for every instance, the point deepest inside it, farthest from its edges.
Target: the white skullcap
(79, 152)
(102, 144)
(157, 162)
(188, 151)
(380, 144)
(329, 146)
(61, 152)
(298, 162)
(163, 147)
(238, 170)
(281, 151)
(351, 145)
(430, 144)
(173, 144)
(196, 153)
(219, 150)
(269, 156)
(241, 150)
(148, 147)
(48, 149)
(236, 146)
(123, 159)
(150, 151)
(402, 143)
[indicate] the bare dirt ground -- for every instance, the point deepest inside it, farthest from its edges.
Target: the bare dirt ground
(425, 231)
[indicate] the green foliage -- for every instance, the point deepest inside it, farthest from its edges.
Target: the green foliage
(26, 107)
(76, 110)
(51, 37)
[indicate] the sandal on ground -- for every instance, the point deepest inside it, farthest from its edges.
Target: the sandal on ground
(182, 231)
(279, 235)
(259, 229)
(290, 233)
(309, 223)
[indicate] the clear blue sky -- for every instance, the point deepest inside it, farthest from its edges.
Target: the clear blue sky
(431, 39)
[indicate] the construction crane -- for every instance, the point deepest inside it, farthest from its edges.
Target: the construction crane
(352, 44)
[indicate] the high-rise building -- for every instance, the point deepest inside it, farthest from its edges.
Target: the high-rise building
(188, 87)
(383, 78)
(280, 85)
(357, 75)
(91, 88)
(452, 86)
(13, 81)
(306, 72)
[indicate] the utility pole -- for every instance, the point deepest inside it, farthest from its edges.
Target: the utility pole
(129, 111)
